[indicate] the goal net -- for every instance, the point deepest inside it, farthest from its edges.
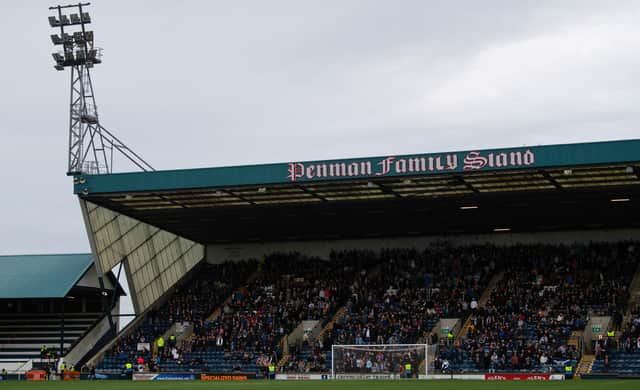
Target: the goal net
(380, 361)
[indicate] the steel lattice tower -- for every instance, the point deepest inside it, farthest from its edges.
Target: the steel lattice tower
(91, 146)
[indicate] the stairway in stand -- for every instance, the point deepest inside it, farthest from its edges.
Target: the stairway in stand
(634, 296)
(216, 313)
(486, 294)
(585, 366)
(285, 352)
(575, 340)
(329, 326)
(188, 336)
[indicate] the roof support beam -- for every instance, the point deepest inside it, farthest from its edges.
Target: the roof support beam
(242, 198)
(388, 190)
(469, 186)
(308, 191)
(551, 179)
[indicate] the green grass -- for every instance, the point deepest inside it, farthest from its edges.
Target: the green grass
(326, 385)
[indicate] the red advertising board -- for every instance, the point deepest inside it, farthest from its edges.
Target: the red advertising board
(516, 377)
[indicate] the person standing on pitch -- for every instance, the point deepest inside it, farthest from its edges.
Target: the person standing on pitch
(272, 371)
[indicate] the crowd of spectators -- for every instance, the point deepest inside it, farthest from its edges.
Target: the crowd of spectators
(192, 301)
(410, 291)
(290, 288)
(618, 352)
(547, 292)
(308, 357)
(396, 296)
(630, 337)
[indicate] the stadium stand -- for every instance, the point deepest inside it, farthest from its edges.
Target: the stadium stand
(621, 356)
(394, 297)
(43, 317)
(548, 291)
(198, 296)
(412, 290)
(289, 289)
(403, 299)
(522, 301)
(385, 296)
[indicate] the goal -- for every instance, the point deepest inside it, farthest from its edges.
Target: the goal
(378, 361)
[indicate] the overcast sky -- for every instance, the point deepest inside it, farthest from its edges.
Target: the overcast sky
(209, 83)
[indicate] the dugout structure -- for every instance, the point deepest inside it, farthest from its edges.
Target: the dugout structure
(159, 225)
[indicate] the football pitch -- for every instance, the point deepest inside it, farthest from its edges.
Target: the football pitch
(319, 385)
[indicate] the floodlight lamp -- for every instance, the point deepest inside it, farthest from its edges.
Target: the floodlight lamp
(55, 38)
(95, 55)
(54, 22)
(78, 37)
(75, 19)
(86, 18)
(64, 20)
(58, 58)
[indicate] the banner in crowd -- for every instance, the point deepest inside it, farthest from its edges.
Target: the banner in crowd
(143, 347)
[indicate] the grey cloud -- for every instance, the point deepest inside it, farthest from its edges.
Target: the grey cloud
(203, 83)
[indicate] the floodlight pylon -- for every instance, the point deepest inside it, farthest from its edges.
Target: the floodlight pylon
(91, 145)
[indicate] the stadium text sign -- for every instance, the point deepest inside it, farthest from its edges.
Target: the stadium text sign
(517, 377)
(218, 377)
(397, 166)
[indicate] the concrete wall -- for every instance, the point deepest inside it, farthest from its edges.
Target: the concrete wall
(90, 279)
(295, 337)
(91, 338)
(452, 324)
(14, 367)
(154, 260)
(600, 322)
(221, 253)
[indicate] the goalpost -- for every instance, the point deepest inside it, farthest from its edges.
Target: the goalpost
(379, 361)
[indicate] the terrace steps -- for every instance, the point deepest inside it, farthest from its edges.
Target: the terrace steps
(216, 313)
(484, 299)
(343, 310)
(634, 296)
(188, 335)
(585, 365)
(329, 326)
(285, 352)
(574, 339)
